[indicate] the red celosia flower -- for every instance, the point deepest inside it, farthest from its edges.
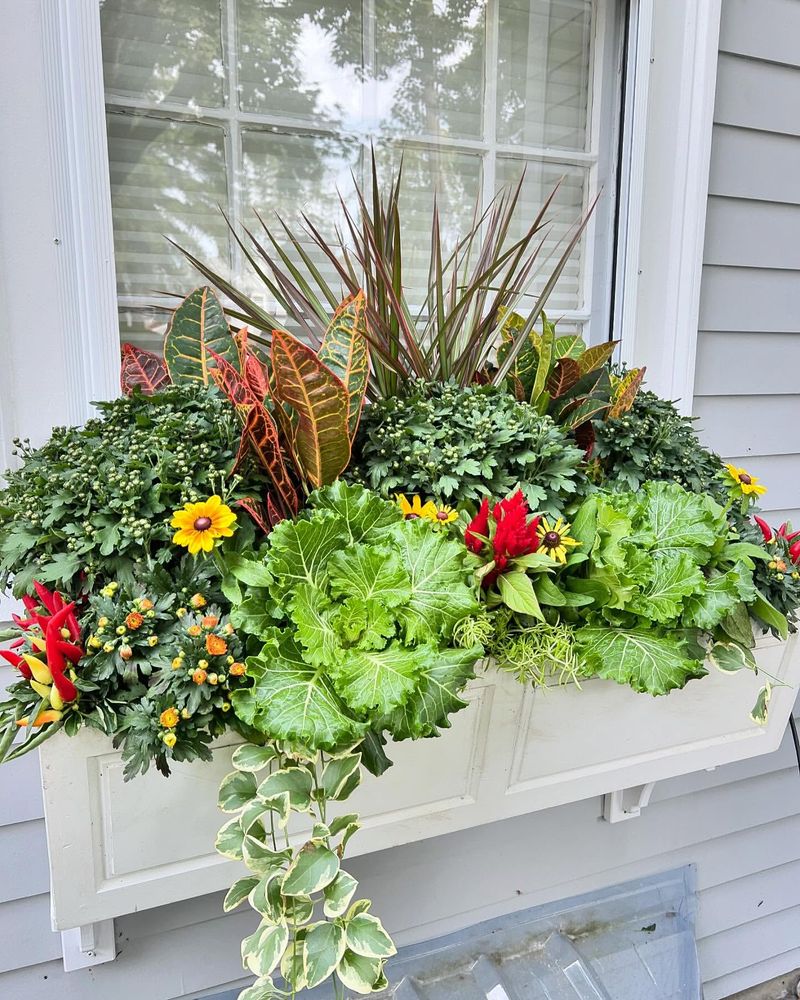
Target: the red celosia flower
(513, 534)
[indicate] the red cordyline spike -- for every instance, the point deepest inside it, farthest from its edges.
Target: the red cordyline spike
(766, 531)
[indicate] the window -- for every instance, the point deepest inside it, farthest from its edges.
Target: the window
(271, 104)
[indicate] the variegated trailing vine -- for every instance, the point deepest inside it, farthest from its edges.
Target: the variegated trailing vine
(310, 930)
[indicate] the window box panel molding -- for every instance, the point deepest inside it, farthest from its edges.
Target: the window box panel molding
(110, 856)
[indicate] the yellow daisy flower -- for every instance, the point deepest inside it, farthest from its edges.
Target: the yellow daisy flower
(554, 539)
(416, 509)
(444, 515)
(201, 524)
(747, 484)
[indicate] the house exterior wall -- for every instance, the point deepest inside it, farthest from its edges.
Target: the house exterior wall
(740, 825)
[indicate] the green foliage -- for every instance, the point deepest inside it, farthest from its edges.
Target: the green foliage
(662, 572)
(289, 886)
(461, 444)
(560, 376)
(653, 441)
(95, 502)
(356, 615)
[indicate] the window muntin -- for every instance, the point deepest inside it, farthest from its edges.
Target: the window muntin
(270, 104)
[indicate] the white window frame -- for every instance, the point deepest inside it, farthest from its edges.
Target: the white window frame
(673, 59)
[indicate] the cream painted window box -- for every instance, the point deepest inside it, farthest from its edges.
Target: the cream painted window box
(117, 847)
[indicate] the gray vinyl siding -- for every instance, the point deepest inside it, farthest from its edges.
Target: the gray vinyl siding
(747, 385)
(740, 825)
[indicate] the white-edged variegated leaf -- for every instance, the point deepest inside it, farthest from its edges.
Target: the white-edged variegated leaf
(760, 711)
(730, 657)
(297, 781)
(262, 989)
(266, 898)
(239, 892)
(249, 757)
(358, 973)
(366, 936)
(323, 949)
(260, 858)
(229, 840)
(313, 868)
(263, 949)
(236, 790)
(338, 895)
(341, 777)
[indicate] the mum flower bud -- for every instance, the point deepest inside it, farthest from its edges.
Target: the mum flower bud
(198, 601)
(153, 640)
(170, 739)
(169, 718)
(134, 620)
(121, 630)
(213, 679)
(125, 652)
(199, 676)
(237, 669)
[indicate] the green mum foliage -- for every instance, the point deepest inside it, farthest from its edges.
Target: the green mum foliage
(457, 444)
(96, 501)
(356, 610)
(654, 441)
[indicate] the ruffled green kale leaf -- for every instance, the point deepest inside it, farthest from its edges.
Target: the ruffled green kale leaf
(440, 595)
(313, 618)
(669, 577)
(293, 700)
(366, 624)
(378, 680)
(718, 597)
(650, 663)
(361, 514)
(442, 679)
(300, 550)
(370, 572)
(679, 520)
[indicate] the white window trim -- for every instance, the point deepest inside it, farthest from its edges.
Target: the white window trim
(673, 60)
(672, 70)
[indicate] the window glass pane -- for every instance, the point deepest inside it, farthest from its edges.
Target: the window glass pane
(566, 210)
(293, 174)
(543, 72)
(429, 67)
(167, 179)
(301, 59)
(167, 50)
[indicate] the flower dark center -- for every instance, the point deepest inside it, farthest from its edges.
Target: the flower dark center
(202, 524)
(744, 478)
(442, 515)
(551, 540)
(412, 517)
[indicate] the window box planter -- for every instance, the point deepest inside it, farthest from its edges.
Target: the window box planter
(118, 847)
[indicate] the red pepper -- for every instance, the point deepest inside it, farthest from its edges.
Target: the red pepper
(766, 531)
(72, 652)
(794, 552)
(55, 657)
(47, 597)
(18, 662)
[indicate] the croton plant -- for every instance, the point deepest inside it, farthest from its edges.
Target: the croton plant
(316, 538)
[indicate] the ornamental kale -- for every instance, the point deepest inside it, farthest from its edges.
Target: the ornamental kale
(662, 574)
(458, 444)
(94, 503)
(355, 610)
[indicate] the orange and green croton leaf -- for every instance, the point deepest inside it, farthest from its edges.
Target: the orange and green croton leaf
(197, 333)
(345, 350)
(320, 400)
